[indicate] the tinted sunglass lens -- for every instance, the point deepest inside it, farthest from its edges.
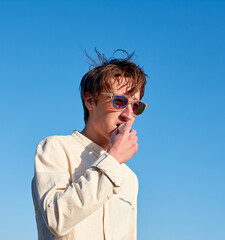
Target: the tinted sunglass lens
(120, 102)
(138, 108)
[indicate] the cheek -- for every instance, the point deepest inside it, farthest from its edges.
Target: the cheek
(111, 120)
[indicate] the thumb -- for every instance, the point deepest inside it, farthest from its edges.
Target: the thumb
(114, 133)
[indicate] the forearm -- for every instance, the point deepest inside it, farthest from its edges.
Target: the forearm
(63, 209)
(64, 203)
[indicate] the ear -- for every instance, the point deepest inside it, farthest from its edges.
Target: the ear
(89, 101)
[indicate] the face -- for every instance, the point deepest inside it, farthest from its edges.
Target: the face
(104, 119)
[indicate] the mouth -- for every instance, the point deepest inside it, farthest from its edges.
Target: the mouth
(120, 126)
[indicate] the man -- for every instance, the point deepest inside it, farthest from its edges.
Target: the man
(82, 189)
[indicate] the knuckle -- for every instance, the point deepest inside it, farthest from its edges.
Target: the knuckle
(134, 131)
(134, 139)
(136, 147)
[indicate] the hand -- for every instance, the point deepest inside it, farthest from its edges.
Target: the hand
(123, 145)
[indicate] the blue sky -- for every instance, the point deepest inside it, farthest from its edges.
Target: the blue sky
(181, 158)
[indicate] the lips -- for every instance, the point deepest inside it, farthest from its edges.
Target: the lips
(119, 124)
(121, 127)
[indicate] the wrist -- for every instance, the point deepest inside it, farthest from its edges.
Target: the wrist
(113, 154)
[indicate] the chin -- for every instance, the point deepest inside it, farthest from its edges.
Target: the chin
(108, 136)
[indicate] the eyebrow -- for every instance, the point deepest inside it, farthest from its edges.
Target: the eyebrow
(126, 95)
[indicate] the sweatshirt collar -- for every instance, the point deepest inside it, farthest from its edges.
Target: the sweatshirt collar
(90, 145)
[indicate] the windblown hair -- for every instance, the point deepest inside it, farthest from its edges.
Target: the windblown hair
(105, 72)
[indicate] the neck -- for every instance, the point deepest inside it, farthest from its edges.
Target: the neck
(89, 132)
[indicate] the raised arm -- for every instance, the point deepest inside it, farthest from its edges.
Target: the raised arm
(62, 202)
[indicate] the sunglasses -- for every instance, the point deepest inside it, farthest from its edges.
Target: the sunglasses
(120, 102)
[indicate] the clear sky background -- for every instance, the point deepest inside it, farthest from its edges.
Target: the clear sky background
(181, 158)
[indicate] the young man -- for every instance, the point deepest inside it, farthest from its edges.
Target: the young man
(82, 190)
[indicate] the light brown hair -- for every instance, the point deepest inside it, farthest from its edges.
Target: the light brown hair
(100, 77)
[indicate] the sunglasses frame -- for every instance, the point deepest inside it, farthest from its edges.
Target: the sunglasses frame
(112, 95)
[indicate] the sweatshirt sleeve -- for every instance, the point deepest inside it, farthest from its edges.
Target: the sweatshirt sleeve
(133, 230)
(64, 203)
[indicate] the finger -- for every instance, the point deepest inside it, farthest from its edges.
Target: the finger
(133, 132)
(127, 127)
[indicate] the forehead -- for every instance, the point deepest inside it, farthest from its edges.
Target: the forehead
(123, 86)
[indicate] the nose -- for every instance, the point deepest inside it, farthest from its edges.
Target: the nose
(127, 113)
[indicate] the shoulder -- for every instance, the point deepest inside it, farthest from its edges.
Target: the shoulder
(57, 153)
(55, 147)
(56, 141)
